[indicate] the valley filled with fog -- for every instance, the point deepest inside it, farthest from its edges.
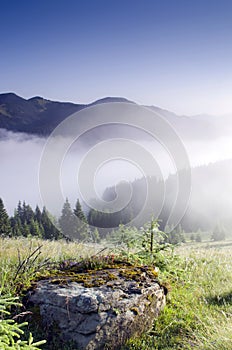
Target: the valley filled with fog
(206, 141)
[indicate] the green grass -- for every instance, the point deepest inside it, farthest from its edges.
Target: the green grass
(13, 249)
(198, 314)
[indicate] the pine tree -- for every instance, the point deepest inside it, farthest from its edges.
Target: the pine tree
(49, 229)
(24, 222)
(5, 227)
(26, 230)
(38, 214)
(28, 213)
(16, 225)
(19, 211)
(35, 229)
(79, 212)
(81, 222)
(68, 221)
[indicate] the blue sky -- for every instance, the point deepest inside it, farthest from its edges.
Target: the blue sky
(176, 54)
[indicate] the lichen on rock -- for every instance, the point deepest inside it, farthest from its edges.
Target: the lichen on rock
(100, 309)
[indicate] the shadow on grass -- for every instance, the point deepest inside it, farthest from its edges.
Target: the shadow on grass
(220, 300)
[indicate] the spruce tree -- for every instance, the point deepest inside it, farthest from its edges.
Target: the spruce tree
(81, 222)
(35, 229)
(19, 211)
(5, 227)
(38, 214)
(16, 225)
(26, 230)
(28, 213)
(49, 229)
(79, 212)
(67, 221)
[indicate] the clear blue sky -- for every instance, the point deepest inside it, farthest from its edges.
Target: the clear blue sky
(176, 54)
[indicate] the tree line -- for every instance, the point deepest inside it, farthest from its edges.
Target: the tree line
(73, 224)
(27, 222)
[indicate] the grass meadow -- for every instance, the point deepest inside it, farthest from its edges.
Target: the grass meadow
(198, 313)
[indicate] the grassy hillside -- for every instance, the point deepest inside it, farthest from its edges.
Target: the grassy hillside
(198, 314)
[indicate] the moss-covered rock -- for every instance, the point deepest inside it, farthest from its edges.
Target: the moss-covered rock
(99, 308)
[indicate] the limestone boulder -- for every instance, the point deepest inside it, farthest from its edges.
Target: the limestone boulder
(103, 311)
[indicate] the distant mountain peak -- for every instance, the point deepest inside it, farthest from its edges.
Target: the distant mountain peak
(10, 96)
(39, 101)
(112, 99)
(34, 98)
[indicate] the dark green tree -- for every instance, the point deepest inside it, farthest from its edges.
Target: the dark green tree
(67, 221)
(27, 214)
(26, 229)
(38, 214)
(16, 225)
(79, 212)
(82, 226)
(19, 211)
(35, 228)
(50, 231)
(5, 227)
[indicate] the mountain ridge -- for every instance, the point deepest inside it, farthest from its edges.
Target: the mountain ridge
(40, 116)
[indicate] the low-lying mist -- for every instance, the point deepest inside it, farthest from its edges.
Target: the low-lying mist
(20, 156)
(210, 200)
